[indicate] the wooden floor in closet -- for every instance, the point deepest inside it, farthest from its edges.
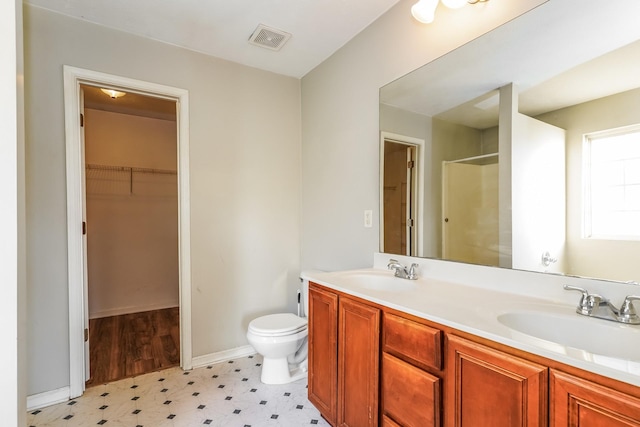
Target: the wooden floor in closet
(133, 344)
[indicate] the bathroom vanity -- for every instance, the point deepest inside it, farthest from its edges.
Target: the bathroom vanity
(385, 351)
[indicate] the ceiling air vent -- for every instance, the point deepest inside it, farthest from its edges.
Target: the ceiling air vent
(268, 37)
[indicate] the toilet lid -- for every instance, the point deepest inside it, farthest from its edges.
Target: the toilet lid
(274, 325)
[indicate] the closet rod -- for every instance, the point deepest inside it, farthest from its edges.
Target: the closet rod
(130, 169)
(468, 159)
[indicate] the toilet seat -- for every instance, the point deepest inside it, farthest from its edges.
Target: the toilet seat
(277, 325)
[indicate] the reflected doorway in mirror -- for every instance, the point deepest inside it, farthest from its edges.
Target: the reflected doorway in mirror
(399, 194)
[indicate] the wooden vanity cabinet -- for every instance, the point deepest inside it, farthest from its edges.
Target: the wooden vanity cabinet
(410, 395)
(388, 422)
(486, 387)
(578, 402)
(323, 353)
(362, 374)
(344, 348)
(358, 363)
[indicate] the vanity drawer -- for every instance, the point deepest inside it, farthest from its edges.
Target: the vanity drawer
(410, 396)
(414, 342)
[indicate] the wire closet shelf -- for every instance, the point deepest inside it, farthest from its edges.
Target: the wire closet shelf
(114, 180)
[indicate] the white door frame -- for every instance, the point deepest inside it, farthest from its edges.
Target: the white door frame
(73, 77)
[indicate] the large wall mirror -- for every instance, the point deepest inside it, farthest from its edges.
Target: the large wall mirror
(529, 147)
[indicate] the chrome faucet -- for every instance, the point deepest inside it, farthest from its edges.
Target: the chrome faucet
(594, 305)
(401, 271)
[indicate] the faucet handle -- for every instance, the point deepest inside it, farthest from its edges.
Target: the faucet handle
(585, 306)
(585, 293)
(399, 269)
(627, 312)
(412, 271)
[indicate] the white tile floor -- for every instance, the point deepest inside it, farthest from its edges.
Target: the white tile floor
(227, 394)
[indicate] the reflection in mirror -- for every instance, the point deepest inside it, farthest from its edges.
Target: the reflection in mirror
(470, 231)
(400, 197)
(465, 161)
(510, 175)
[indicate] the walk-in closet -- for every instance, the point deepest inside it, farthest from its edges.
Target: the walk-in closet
(132, 234)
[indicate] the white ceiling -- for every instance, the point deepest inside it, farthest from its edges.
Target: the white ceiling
(609, 74)
(221, 28)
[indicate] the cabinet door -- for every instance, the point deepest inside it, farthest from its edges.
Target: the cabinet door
(485, 387)
(410, 395)
(358, 361)
(577, 402)
(388, 422)
(323, 352)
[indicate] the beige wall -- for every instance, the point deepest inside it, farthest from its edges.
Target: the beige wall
(611, 259)
(244, 172)
(128, 140)
(340, 139)
(132, 244)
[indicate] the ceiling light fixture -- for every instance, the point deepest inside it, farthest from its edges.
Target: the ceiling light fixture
(113, 93)
(424, 10)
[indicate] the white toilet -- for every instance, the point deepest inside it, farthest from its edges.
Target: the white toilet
(281, 339)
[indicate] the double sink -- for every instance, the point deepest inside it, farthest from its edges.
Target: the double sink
(539, 325)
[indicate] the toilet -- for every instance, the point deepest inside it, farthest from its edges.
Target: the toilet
(281, 339)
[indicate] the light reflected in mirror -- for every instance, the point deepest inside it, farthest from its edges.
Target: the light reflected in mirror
(506, 126)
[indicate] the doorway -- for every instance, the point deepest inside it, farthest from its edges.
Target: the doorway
(76, 218)
(131, 199)
(400, 198)
(399, 164)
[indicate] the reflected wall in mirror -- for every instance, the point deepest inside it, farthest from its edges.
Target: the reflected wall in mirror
(510, 174)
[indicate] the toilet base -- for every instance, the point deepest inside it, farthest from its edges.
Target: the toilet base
(278, 371)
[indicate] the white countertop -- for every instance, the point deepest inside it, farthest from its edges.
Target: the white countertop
(475, 309)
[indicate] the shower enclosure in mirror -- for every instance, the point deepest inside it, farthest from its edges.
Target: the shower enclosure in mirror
(506, 120)
(470, 231)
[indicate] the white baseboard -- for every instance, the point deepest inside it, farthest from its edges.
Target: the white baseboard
(135, 309)
(48, 398)
(222, 356)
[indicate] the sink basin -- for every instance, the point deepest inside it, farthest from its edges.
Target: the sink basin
(577, 335)
(377, 280)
